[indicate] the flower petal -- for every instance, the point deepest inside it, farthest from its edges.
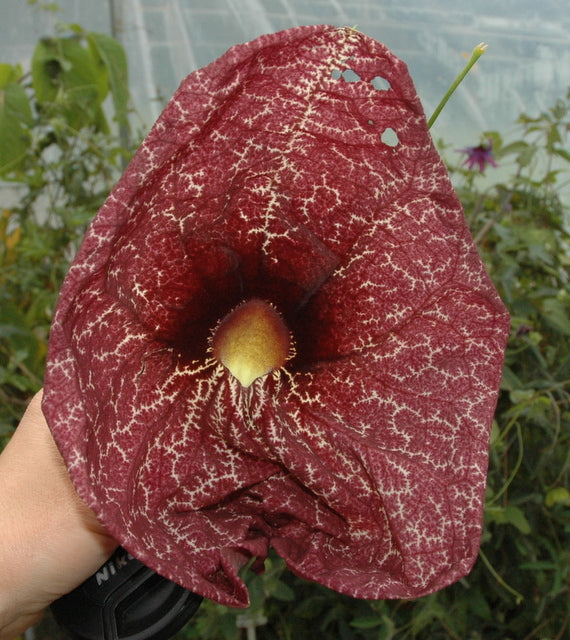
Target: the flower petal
(270, 176)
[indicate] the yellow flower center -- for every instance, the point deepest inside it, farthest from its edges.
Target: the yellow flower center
(251, 341)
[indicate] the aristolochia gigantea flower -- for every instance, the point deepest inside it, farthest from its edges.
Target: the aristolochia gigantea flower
(479, 156)
(278, 331)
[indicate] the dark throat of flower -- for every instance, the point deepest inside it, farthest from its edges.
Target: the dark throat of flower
(251, 341)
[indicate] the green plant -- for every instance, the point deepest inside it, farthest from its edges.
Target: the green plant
(522, 233)
(61, 155)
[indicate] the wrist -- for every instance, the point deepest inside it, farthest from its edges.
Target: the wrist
(51, 541)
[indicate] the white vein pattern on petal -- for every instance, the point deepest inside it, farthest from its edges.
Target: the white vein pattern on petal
(350, 441)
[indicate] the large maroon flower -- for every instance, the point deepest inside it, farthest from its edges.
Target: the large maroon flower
(294, 174)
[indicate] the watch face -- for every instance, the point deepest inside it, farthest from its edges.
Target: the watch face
(125, 600)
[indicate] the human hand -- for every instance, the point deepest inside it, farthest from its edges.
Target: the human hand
(50, 541)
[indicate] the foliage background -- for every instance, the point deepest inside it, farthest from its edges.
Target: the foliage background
(64, 139)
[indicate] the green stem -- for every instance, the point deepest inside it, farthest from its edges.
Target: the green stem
(514, 471)
(518, 597)
(475, 55)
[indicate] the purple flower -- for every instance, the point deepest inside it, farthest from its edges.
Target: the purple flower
(480, 156)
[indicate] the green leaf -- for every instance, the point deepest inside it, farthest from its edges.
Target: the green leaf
(526, 156)
(367, 622)
(521, 396)
(8, 331)
(510, 381)
(541, 243)
(430, 611)
(66, 78)
(495, 433)
(497, 140)
(508, 515)
(388, 630)
(514, 147)
(558, 495)
(281, 591)
(553, 137)
(479, 605)
(114, 59)
(555, 312)
(9, 74)
(15, 117)
(562, 153)
(14, 332)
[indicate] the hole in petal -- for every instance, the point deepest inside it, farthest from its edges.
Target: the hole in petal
(390, 137)
(380, 83)
(350, 75)
(336, 74)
